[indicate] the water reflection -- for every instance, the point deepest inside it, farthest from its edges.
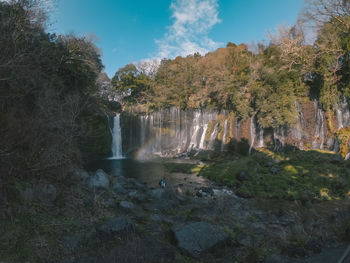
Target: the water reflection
(146, 172)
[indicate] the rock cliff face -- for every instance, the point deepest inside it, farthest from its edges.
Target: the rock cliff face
(170, 132)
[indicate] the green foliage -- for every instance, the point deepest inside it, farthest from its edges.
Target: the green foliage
(47, 84)
(132, 84)
(180, 167)
(343, 136)
(300, 174)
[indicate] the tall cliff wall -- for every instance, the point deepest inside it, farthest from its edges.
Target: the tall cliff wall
(171, 132)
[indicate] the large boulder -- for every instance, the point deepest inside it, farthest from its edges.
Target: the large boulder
(198, 237)
(99, 180)
(120, 225)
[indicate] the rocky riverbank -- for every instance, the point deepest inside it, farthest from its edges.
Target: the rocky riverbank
(107, 218)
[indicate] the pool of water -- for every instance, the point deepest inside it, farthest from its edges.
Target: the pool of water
(148, 172)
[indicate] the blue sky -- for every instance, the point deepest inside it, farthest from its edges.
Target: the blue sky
(136, 30)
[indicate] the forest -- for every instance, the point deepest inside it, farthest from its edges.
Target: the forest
(50, 95)
(263, 79)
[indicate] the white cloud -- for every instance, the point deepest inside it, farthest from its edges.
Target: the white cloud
(192, 21)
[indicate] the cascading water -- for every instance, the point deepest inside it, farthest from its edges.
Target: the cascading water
(319, 128)
(343, 113)
(117, 152)
(213, 136)
(202, 141)
(169, 132)
(297, 130)
(223, 142)
(279, 138)
(196, 129)
(252, 134)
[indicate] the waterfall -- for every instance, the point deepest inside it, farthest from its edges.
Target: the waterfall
(213, 136)
(170, 132)
(223, 142)
(202, 141)
(117, 152)
(252, 134)
(260, 138)
(195, 131)
(319, 132)
(279, 138)
(297, 131)
(343, 113)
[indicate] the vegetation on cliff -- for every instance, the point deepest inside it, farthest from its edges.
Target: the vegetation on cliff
(49, 94)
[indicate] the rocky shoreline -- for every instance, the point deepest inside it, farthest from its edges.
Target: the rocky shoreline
(207, 224)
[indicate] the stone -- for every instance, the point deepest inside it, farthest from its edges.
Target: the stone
(71, 243)
(136, 250)
(136, 184)
(225, 192)
(244, 240)
(126, 205)
(110, 202)
(44, 193)
(156, 217)
(243, 176)
(138, 197)
(198, 237)
(120, 225)
(27, 194)
(99, 180)
(315, 245)
(204, 192)
(79, 174)
(157, 193)
(275, 258)
(119, 188)
(270, 164)
(274, 170)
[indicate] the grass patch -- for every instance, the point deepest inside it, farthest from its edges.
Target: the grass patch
(292, 175)
(185, 168)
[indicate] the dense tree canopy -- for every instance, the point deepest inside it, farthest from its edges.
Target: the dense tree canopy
(47, 88)
(265, 83)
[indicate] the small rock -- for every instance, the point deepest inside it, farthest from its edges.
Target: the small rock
(139, 197)
(110, 202)
(27, 194)
(275, 258)
(274, 170)
(45, 192)
(243, 176)
(199, 237)
(136, 184)
(126, 205)
(204, 192)
(79, 174)
(118, 225)
(119, 189)
(156, 217)
(244, 240)
(71, 243)
(99, 180)
(315, 245)
(157, 193)
(270, 164)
